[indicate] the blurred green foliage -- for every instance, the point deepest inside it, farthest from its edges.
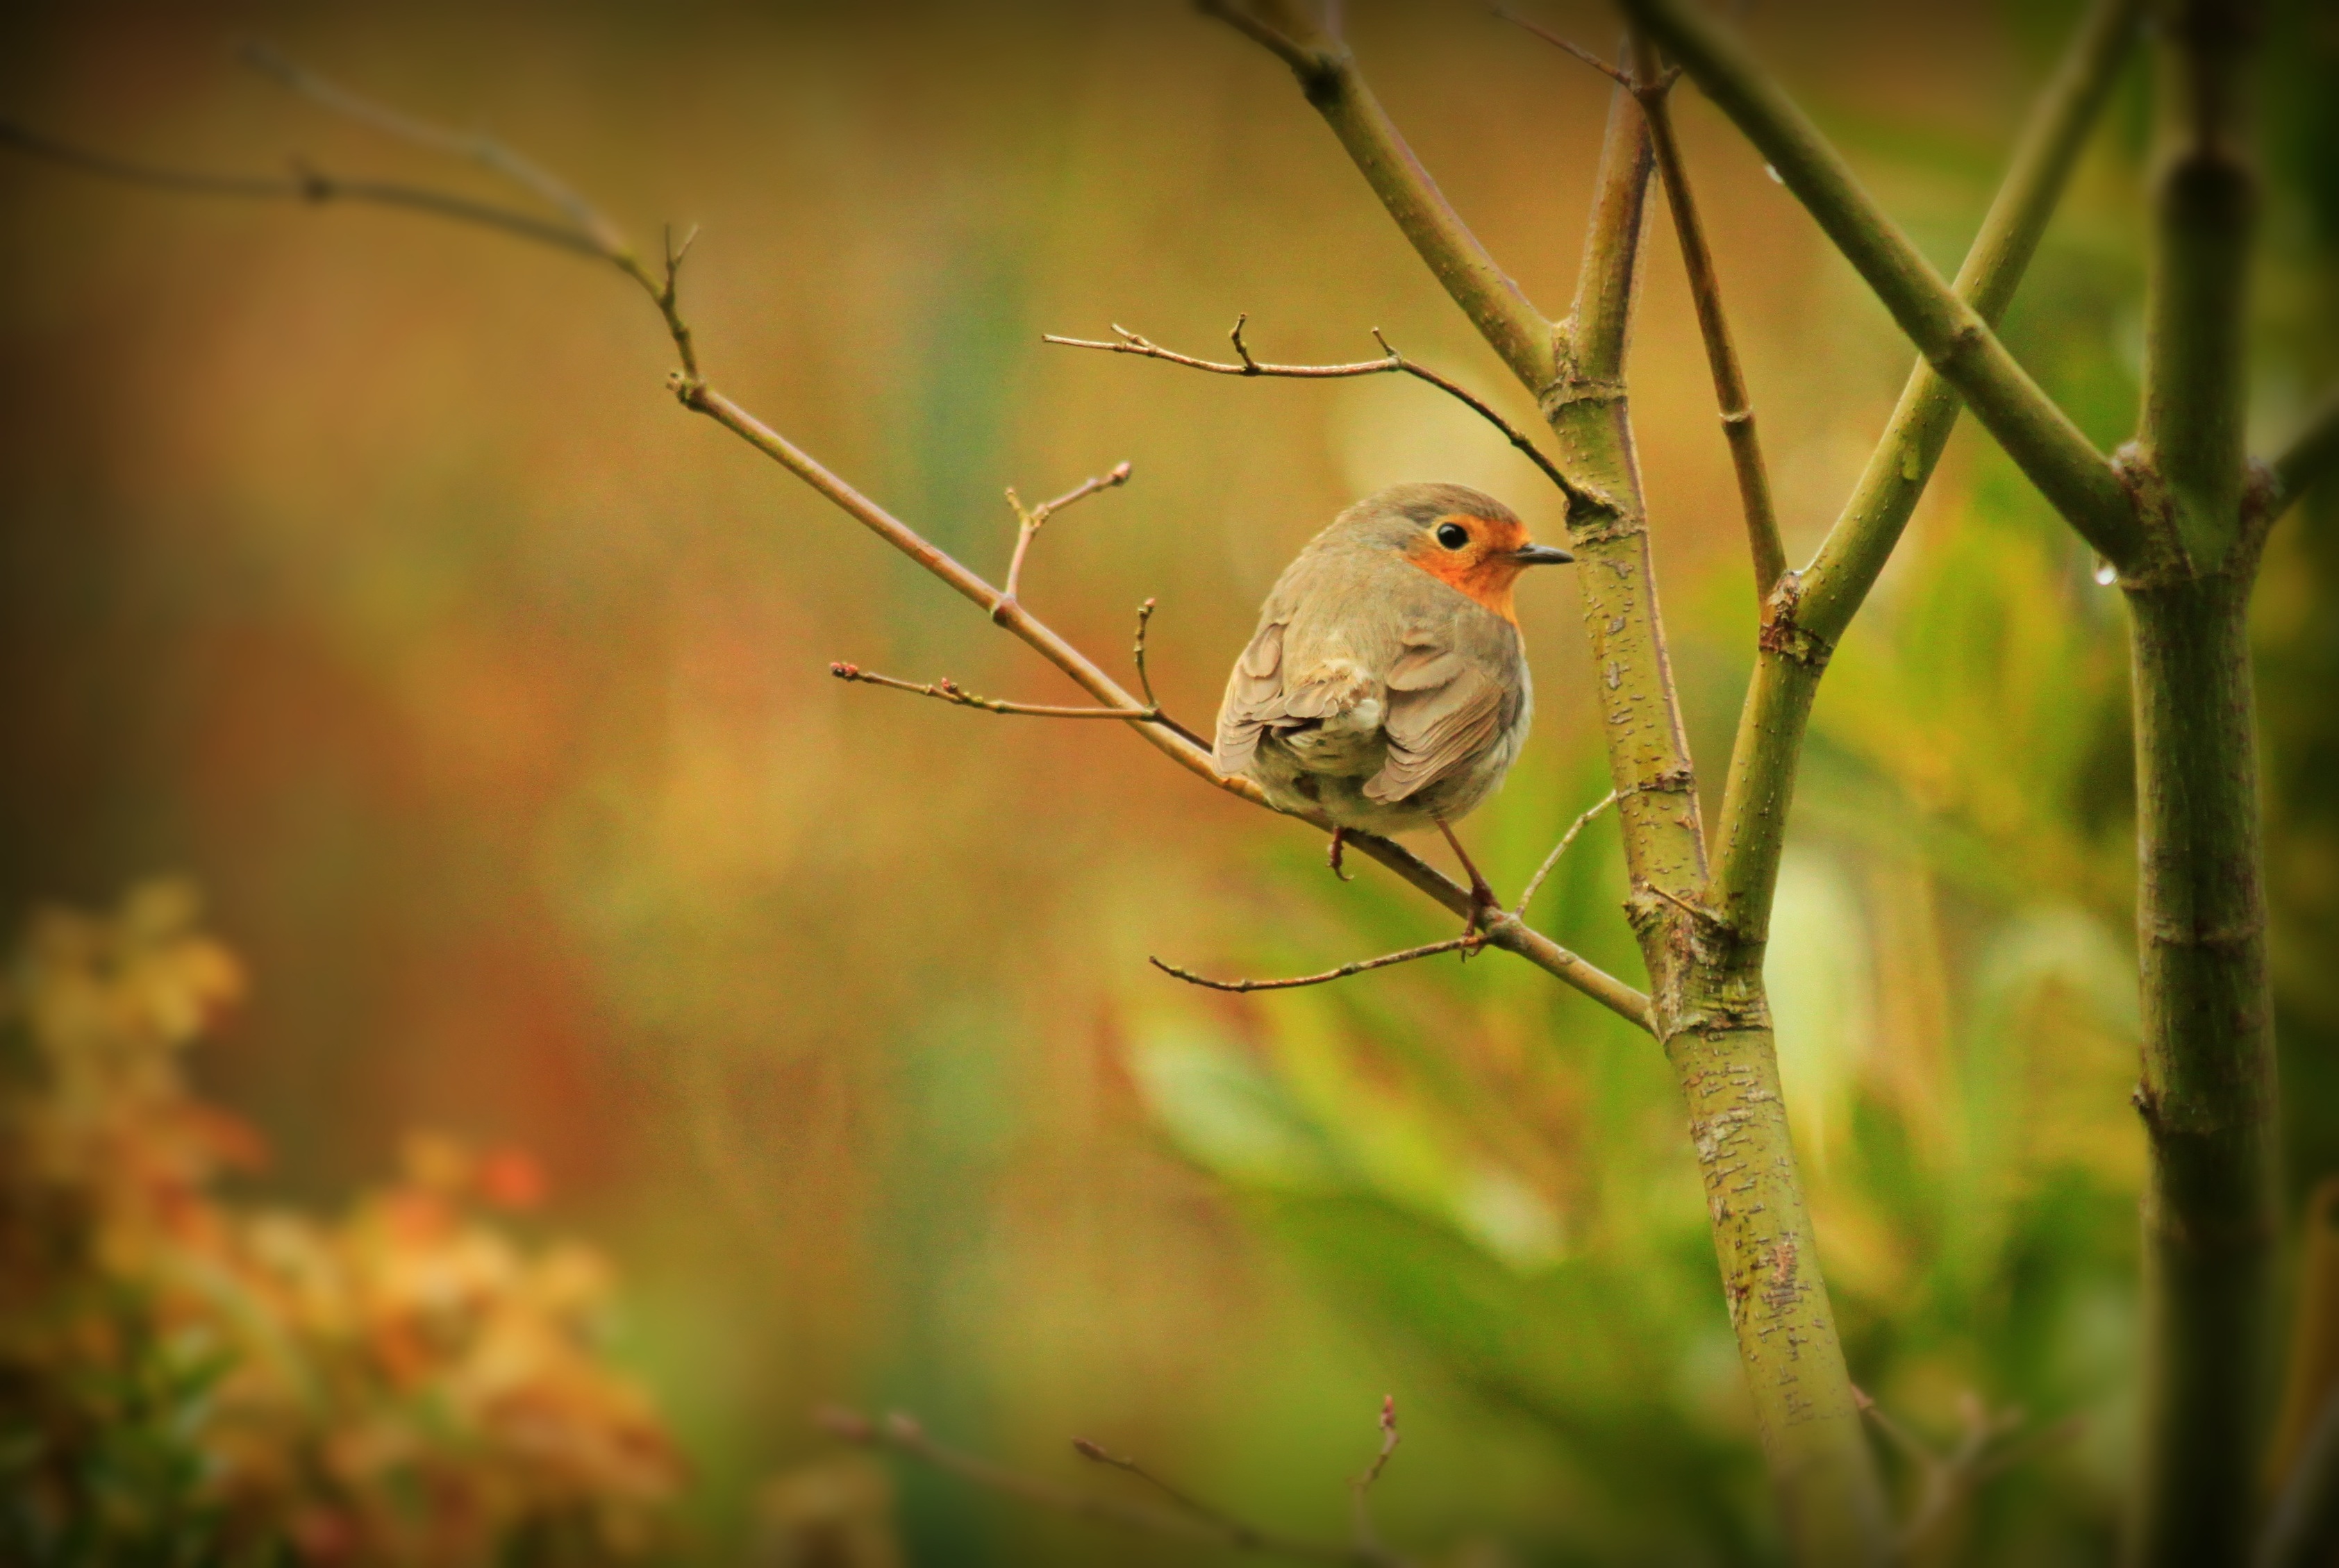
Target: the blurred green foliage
(358, 568)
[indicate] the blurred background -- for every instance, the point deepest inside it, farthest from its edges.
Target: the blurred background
(358, 572)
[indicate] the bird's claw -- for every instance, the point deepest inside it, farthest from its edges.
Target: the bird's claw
(1339, 849)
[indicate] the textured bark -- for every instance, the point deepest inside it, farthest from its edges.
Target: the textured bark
(1706, 995)
(2208, 1097)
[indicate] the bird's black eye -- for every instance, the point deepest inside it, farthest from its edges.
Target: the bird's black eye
(1453, 536)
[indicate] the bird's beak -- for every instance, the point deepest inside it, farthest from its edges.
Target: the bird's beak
(1541, 556)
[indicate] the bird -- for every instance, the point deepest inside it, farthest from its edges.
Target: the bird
(1386, 687)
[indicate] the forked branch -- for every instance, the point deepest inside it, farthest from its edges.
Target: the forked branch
(1391, 363)
(1821, 600)
(1030, 520)
(1651, 87)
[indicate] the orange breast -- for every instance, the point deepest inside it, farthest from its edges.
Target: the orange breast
(1486, 568)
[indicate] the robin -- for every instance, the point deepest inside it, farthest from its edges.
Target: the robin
(1386, 686)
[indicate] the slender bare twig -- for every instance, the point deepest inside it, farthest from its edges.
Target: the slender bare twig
(1662, 83)
(306, 184)
(949, 690)
(485, 150)
(1368, 1538)
(1240, 1534)
(1464, 945)
(1391, 363)
(1559, 849)
(1947, 1478)
(1029, 521)
(1721, 354)
(1145, 681)
(1653, 90)
(1189, 1520)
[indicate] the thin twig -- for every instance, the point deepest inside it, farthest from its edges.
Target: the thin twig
(1240, 1534)
(1770, 553)
(1559, 849)
(1145, 681)
(1945, 1479)
(1029, 522)
(309, 184)
(1503, 13)
(1464, 945)
(1391, 363)
(1189, 1521)
(485, 150)
(1368, 1538)
(949, 690)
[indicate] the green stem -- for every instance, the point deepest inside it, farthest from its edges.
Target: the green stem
(1707, 997)
(1707, 1003)
(2205, 204)
(2207, 1096)
(2080, 482)
(2208, 1092)
(1803, 624)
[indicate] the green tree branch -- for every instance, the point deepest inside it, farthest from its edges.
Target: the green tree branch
(1805, 620)
(2208, 1091)
(1954, 337)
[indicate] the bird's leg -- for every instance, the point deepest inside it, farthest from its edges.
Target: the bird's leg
(1483, 901)
(1340, 848)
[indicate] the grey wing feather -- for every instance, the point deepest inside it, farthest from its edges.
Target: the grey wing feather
(1443, 711)
(1254, 699)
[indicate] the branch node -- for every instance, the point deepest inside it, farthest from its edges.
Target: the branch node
(1242, 349)
(1780, 633)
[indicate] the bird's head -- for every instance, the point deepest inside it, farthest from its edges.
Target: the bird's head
(1461, 537)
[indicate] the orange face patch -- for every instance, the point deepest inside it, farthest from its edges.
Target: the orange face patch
(1484, 565)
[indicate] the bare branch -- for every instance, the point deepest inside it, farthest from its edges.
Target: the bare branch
(2042, 440)
(307, 184)
(1189, 1520)
(1144, 681)
(1367, 1538)
(1948, 1479)
(1391, 363)
(484, 150)
(1466, 945)
(1029, 521)
(1557, 41)
(949, 690)
(1550, 861)
(1770, 553)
